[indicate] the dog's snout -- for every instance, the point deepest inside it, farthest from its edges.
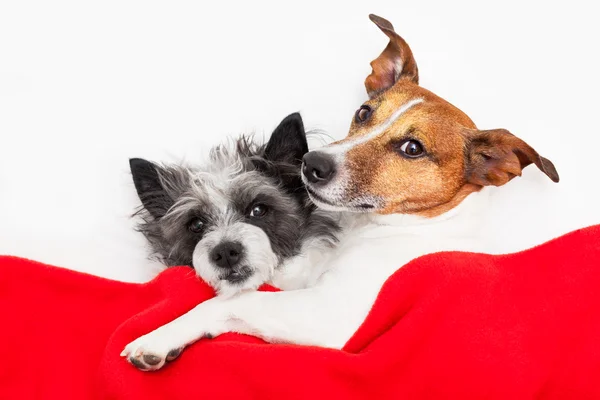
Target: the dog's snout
(318, 167)
(227, 254)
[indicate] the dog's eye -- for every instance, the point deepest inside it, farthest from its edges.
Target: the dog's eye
(411, 148)
(196, 225)
(258, 211)
(363, 113)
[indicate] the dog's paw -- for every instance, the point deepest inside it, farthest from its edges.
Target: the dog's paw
(151, 352)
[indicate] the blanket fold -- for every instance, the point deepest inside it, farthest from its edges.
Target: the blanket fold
(447, 325)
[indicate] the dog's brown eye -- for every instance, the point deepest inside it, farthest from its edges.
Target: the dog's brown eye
(412, 148)
(258, 211)
(363, 113)
(196, 225)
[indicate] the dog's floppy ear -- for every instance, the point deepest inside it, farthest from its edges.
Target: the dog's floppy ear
(394, 63)
(288, 141)
(496, 156)
(147, 182)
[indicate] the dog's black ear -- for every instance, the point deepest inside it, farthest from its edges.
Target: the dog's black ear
(288, 141)
(149, 188)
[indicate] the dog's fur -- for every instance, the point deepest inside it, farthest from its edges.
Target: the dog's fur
(410, 172)
(221, 198)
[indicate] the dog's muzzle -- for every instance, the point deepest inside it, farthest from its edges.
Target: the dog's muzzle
(318, 168)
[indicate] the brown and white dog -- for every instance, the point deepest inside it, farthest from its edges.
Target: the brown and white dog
(409, 176)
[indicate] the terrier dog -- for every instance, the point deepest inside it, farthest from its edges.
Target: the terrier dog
(412, 168)
(239, 219)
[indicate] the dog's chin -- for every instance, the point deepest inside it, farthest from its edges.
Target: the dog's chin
(239, 280)
(340, 206)
(237, 276)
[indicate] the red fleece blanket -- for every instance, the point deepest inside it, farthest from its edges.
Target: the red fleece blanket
(448, 325)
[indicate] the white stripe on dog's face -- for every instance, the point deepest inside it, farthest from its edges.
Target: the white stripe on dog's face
(375, 132)
(335, 191)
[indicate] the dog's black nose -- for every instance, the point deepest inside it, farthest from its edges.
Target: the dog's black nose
(227, 254)
(318, 167)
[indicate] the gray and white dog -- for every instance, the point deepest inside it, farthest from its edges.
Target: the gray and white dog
(242, 219)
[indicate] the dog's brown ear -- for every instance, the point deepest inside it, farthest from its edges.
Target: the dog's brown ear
(496, 156)
(394, 63)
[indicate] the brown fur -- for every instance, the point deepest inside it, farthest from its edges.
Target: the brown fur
(459, 158)
(385, 67)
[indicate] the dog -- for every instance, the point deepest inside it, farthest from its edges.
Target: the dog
(411, 171)
(238, 219)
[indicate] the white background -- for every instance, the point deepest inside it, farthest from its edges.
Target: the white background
(86, 85)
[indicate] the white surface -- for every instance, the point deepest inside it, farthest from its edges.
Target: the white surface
(86, 85)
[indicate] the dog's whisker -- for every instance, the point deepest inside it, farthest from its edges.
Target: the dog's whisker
(237, 218)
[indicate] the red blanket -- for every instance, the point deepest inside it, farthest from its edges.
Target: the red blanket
(448, 325)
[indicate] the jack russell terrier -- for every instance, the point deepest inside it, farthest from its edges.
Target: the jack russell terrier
(408, 176)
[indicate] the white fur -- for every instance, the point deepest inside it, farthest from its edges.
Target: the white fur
(343, 148)
(329, 293)
(335, 190)
(398, 66)
(329, 312)
(257, 250)
(305, 269)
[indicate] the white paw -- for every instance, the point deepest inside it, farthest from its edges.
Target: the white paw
(152, 351)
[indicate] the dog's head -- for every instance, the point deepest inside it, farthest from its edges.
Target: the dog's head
(408, 150)
(236, 218)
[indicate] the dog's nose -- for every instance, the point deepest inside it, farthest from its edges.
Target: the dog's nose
(227, 254)
(318, 167)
